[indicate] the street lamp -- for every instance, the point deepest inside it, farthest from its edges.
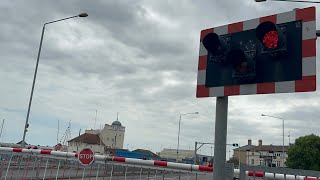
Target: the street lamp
(289, 1)
(179, 131)
(36, 70)
(282, 135)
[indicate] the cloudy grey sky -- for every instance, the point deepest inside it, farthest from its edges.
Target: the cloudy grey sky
(138, 58)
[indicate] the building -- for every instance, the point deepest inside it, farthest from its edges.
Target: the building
(171, 154)
(262, 155)
(111, 136)
(241, 152)
(185, 156)
(86, 140)
(148, 153)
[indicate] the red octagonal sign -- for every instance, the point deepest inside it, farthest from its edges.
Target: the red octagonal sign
(86, 156)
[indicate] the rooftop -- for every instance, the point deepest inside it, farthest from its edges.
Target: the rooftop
(87, 138)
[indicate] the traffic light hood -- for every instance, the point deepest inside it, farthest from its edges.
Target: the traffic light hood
(214, 43)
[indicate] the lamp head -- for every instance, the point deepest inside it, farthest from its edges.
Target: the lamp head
(83, 15)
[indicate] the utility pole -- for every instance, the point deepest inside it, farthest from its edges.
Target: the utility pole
(95, 120)
(289, 138)
(2, 124)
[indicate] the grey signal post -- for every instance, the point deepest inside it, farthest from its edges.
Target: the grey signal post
(220, 140)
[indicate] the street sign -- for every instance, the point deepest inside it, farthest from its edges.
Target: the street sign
(272, 54)
(86, 156)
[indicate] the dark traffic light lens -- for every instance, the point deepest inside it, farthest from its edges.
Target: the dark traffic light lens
(237, 57)
(270, 40)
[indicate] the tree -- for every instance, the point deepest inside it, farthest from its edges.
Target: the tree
(233, 160)
(305, 153)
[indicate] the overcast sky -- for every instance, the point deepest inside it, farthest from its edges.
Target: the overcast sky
(138, 58)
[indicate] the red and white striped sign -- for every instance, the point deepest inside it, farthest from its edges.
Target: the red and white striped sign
(308, 82)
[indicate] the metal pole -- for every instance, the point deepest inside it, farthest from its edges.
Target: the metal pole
(36, 70)
(282, 142)
(178, 138)
(195, 152)
(239, 155)
(220, 138)
(32, 89)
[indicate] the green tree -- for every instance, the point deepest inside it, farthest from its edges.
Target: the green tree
(233, 160)
(305, 153)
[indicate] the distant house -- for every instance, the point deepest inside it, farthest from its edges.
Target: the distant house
(86, 140)
(262, 155)
(100, 140)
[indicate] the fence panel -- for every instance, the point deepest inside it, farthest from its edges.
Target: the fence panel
(26, 166)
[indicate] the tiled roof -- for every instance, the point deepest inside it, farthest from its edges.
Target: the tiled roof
(262, 148)
(270, 148)
(244, 148)
(87, 138)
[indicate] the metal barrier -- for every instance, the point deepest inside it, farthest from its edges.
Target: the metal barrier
(272, 173)
(17, 163)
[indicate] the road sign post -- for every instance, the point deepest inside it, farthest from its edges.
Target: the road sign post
(220, 140)
(86, 156)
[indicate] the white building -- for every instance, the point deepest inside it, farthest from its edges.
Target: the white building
(111, 136)
(171, 154)
(86, 140)
(262, 155)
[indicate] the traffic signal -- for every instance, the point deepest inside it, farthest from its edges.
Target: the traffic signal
(253, 57)
(272, 37)
(235, 145)
(259, 55)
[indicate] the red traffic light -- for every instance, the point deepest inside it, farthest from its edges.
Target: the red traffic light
(270, 40)
(267, 33)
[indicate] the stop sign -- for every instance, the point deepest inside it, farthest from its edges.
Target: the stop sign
(86, 156)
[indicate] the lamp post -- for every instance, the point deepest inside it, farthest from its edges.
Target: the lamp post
(289, 1)
(36, 70)
(282, 157)
(179, 131)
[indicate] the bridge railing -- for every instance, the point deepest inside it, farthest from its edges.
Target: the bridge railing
(276, 173)
(17, 163)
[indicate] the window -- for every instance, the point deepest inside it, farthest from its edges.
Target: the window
(112, 139)
(252, 161)
(107, 138)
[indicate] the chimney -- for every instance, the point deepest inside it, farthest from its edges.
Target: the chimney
(260, 142)
(249, 142)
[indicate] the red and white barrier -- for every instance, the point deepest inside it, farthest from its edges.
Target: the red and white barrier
(152, 163)
(180, 166)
